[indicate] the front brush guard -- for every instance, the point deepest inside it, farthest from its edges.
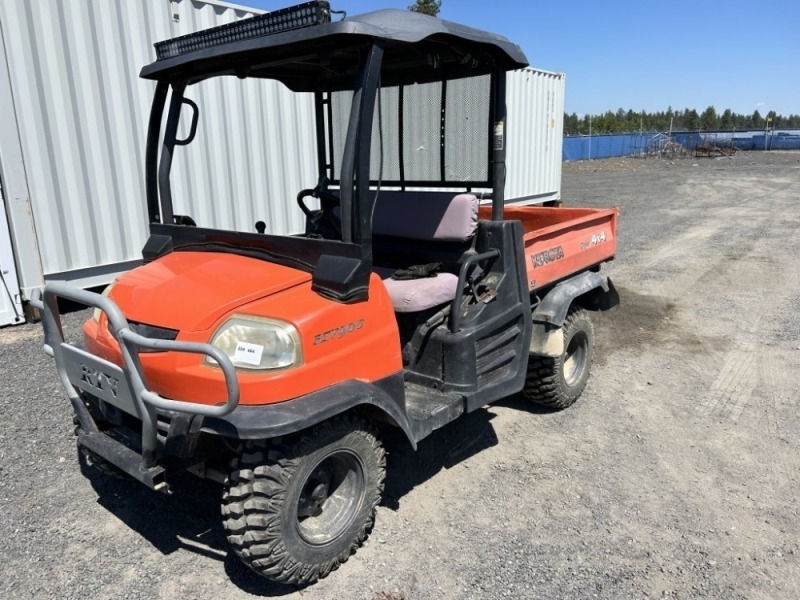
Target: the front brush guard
(123, 387)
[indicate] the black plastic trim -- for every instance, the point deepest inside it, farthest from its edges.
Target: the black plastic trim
(155, 246)
(272, 420)
(455, 312)
(553, 308)
(296, 252)
(168, 149)
(151, 152)
(293, 57)
(498, 143)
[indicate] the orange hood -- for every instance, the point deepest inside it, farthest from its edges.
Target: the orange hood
(189, 291)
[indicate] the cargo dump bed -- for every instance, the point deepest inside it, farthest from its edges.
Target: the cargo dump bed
(560, 242)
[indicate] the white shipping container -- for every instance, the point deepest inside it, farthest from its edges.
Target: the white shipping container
(534, 134)
(72, 153)
(10, 298)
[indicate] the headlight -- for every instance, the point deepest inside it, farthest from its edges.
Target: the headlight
(257, 343)
(96, 312)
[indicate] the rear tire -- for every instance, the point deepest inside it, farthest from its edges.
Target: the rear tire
(557, 382)
(296, 510)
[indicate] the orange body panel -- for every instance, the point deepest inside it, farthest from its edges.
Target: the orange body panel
(339, 341)
(560, 242)
(189, 291)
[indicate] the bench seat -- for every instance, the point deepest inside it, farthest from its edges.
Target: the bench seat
(420, 218)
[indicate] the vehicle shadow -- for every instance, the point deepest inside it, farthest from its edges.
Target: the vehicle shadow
(443, 449)
(189, 518)
(520, 403)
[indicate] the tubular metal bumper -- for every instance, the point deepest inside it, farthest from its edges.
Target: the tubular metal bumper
(123, 387)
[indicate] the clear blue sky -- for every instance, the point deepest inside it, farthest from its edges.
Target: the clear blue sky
(643, 54)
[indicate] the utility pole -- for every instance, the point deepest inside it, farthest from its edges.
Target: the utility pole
(766, 130)
(590, 137)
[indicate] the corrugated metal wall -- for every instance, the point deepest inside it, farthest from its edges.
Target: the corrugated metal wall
(255, 149)
(535, 125)
(534, 129)
(82, 114)
(10, 301)
(80, 124)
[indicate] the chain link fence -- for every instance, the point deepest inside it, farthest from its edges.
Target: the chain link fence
(677, 144)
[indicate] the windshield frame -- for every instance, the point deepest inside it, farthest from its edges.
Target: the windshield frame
(341, 269)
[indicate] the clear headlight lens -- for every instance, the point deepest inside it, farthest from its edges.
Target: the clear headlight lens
(96, 312)
(257, 343)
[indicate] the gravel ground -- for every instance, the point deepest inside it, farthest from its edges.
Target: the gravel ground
(674, 476)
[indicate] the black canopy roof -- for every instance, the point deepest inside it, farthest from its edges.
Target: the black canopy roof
(418, 48)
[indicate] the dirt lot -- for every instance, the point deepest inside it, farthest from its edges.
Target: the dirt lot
(675, 476)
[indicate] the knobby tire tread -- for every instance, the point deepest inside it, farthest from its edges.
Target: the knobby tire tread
(255, 492)
(544, 382)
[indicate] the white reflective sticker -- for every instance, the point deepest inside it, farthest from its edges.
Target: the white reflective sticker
(499, 133)
(248, 353)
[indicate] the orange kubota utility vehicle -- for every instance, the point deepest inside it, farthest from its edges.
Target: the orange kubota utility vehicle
(265, 361)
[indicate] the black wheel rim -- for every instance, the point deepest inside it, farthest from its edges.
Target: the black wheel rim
(331, 498)
(575, 358)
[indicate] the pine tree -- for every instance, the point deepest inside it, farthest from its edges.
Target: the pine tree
(726, 120)
(708, 120)
(691, 120)
(426, 7)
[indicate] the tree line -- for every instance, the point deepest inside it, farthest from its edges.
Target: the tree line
(628, 121)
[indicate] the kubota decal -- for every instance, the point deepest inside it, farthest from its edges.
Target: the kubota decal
(543, 258)
(338, 332)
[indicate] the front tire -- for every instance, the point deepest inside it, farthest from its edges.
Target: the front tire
(557, 382)
(296, 510)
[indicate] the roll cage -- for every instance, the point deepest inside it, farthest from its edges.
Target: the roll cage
(359, 55)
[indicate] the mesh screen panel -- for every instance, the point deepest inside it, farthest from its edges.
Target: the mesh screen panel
(466, 125)
(386, 125)
(422, 135)
(340, 113)
(420, 126)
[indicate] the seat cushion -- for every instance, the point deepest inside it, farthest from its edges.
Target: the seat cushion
(426, 216)
(413, 295)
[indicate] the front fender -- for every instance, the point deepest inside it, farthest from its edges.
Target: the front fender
(267, 421)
